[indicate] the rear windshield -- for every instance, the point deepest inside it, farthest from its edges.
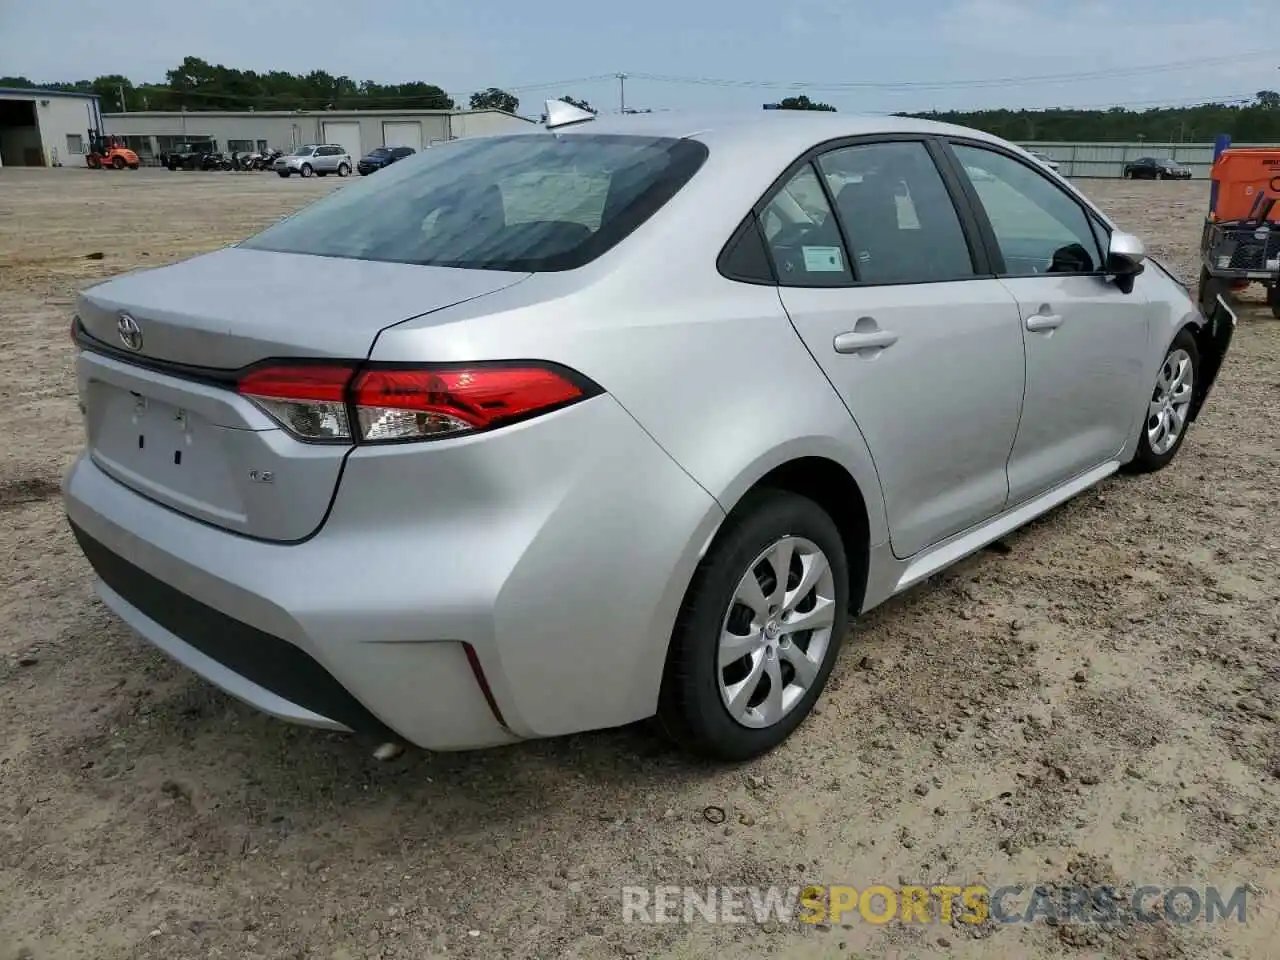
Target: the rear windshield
(526, 203)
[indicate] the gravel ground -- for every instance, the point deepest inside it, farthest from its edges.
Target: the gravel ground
(1098, 702)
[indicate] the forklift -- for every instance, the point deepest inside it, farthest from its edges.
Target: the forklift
(1240, 242)
(107, 151)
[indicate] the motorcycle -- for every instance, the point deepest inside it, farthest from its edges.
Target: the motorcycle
(267, 160)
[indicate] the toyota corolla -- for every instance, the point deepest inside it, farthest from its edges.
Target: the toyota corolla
(617, 419)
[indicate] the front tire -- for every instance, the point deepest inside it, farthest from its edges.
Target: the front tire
(283, 173)
(343, 169)
(117, 163)
(759, 631)
(306, 170)
(1273, 299)
(1169, 406)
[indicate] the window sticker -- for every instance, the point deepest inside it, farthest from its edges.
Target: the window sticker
(823, 259)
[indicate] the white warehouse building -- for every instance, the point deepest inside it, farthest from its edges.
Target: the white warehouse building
(151, 133)
(45, 128)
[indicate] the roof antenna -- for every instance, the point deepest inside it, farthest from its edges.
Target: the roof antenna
(561, 114)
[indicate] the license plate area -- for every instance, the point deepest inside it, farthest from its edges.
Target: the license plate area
(146, 435)
(166, 451)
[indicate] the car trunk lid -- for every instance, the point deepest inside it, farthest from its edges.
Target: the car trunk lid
(162, 415)
(234, 307)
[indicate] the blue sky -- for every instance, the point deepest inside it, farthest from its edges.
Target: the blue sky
(941, 46)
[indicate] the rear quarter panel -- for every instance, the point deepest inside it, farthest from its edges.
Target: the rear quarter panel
(710, 367)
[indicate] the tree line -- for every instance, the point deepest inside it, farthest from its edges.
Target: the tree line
(197, 85)
(1255, 122)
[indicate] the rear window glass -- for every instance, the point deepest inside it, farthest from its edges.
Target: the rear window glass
(524, 203)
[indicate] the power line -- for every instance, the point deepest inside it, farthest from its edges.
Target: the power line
(1188, 103)
(287, 101)
(829, 86)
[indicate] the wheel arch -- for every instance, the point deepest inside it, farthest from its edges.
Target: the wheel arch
(831, 485)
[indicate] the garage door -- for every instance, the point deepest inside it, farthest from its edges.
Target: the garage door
(346, 134)
(402, 133)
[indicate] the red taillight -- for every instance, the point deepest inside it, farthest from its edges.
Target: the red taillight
(308, 400)
(315, 401)
(411, 404)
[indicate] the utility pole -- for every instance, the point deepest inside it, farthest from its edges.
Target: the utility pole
(622, 93)
(120, 90)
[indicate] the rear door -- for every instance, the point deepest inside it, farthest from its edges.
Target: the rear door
(1085, 340)
(892, 299)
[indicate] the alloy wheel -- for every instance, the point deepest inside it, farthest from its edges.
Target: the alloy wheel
(1170, 402)
(776, 633)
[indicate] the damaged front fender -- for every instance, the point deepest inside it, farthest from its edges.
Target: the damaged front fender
(1213, 338)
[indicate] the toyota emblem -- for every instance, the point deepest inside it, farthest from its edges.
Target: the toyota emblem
(129, 331)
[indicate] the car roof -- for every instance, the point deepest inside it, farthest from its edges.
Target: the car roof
(797, 129)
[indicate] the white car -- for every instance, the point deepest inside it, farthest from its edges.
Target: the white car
(1048, 161)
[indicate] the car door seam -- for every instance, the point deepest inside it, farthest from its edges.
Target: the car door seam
(839, 396)
(1022, 405)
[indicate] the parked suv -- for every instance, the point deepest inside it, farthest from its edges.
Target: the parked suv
(1153, 168)
(318, 158)
(192, 155)
(381, 157)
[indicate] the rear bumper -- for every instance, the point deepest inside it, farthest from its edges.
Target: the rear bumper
(557, 551)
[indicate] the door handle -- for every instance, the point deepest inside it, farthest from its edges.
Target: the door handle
(1039, 322)
(854, 342)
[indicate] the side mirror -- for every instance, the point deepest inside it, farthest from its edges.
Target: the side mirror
(1126, 258)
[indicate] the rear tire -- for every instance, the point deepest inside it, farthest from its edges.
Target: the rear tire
(1176, 383)
(789, 667)
(283, 173)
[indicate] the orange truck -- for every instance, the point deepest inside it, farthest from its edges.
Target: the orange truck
(108, 152)
(1240, 243)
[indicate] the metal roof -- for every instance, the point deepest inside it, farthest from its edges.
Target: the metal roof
(37, 92)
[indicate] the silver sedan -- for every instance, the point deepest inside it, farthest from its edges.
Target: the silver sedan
(618, 419)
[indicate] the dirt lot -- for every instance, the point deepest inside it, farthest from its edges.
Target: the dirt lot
(1098, 704)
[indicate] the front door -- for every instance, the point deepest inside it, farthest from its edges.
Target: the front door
(1085, 340)
(926, 353)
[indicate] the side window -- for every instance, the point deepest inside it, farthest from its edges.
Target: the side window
(895, 209)
(746, 257)
(1039, 227)
(802, 235)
